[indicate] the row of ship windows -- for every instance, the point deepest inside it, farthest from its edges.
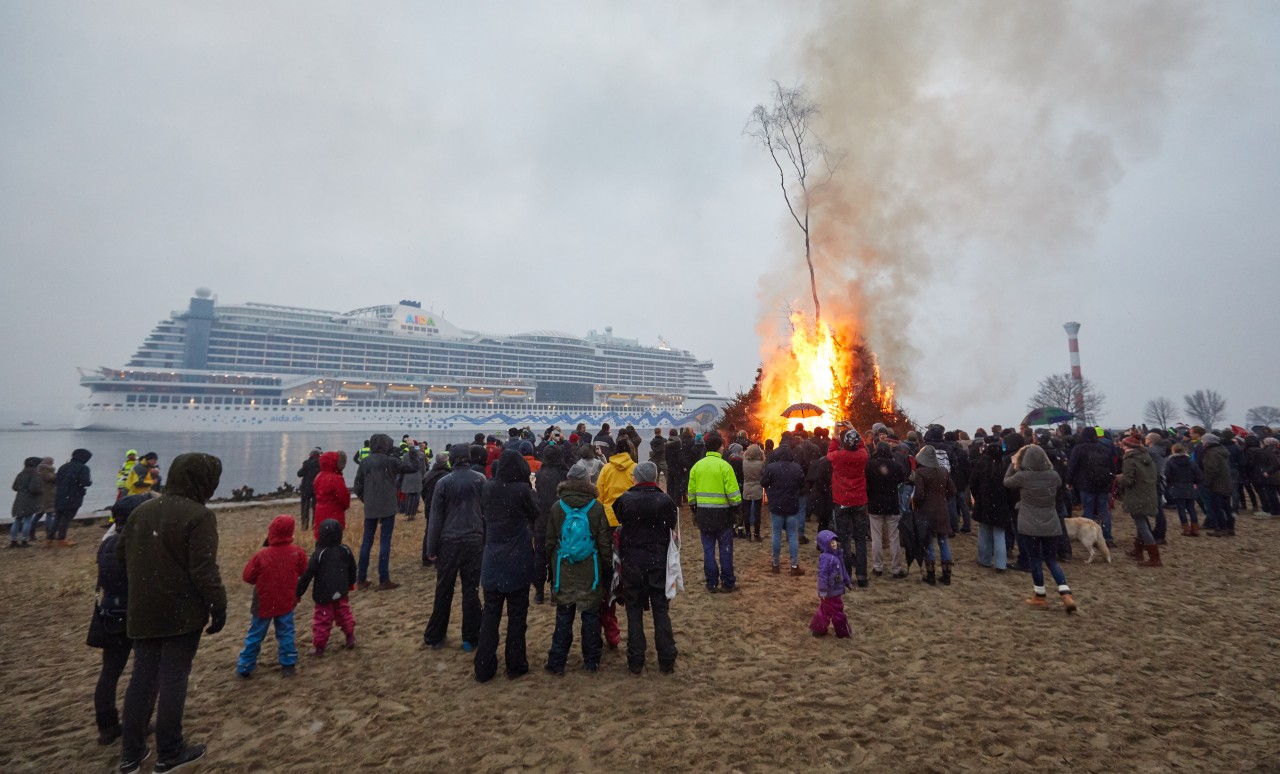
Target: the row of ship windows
(371, 407)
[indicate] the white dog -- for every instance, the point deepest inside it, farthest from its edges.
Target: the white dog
(1089, 534)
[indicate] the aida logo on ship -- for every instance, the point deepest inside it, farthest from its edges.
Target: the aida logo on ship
(417, 319)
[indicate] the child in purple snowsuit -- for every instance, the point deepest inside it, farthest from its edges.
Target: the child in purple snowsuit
(833, 579)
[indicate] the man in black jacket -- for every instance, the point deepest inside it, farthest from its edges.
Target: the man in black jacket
(375, 485)
(646, 516)
(72, 481)
(306, 489)
(1089, 475)
(455, 542)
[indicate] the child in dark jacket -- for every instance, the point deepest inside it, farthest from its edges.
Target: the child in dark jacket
(833, 579)
(334, 569)
(274, 573)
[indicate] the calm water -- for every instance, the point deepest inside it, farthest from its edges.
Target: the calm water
(260, 460)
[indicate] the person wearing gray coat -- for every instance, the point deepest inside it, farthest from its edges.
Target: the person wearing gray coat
(1038, 527)
(375, 485)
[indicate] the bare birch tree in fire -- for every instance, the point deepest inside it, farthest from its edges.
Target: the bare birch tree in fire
(824, 362)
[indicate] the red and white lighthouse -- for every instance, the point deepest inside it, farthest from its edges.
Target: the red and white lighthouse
(1077, 379)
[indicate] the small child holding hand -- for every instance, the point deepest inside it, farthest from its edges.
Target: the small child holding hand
(833, 579)
(334, 569)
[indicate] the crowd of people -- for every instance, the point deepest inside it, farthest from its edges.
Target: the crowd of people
(591, 522)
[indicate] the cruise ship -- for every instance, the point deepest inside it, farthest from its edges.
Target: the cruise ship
(262, 367)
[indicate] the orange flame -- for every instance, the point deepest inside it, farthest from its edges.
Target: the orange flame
(817, 366)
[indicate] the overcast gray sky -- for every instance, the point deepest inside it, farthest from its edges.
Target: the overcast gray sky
(576, 165)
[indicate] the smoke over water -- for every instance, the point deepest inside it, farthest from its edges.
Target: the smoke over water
(977, 137)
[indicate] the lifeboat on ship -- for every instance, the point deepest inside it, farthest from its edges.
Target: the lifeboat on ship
(515, 393)
(480, 393)
(642, 399)
(442, 392)
(619, 397)
(358, 391)
(403, 391)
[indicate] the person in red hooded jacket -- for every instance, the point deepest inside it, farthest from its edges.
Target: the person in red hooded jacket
(848, 458)
(274, 572)
(331, 493)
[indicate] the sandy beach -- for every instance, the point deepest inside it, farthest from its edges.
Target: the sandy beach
(1169, 669)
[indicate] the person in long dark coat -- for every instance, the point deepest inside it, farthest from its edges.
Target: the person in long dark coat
(547, 481)
(991, 506)
(509, 509)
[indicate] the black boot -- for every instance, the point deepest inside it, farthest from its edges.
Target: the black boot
(929, 577)
(538, 596)
(946, 574)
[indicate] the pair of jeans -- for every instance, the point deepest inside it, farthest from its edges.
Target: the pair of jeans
(646, 588)
(104, 695)
(1142, 523)
(20, 529)
(1186, 507)
(57, 526)
(992, 550)
(456, 558)
(721, 574)
(285, 645)
(161, 667)
(562, 637)
(387, 524)
(1097, 506)
(962, 503)
(326, 615)
(791, 524)
(1043, 551)
(884, 529)
(514, 656)
(852, 526)
(752, 511)
(944, 548)
(1220, 512)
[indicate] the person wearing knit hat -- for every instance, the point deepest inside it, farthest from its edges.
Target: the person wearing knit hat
(1216, 462)
(1137, 484)
(578, 583)
(646, 518)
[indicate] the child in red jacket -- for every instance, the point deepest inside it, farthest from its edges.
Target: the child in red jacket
(274, 572)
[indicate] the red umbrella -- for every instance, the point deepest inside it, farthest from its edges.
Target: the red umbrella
(1240, 431)
(802, 411)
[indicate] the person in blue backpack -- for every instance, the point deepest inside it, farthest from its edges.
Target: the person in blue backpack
(580, 554)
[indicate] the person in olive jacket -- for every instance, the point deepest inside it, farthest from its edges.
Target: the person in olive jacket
(933, 490)
(1218, 485)
(170, 552)
(1137, 484)
(506, 567)
(26, 503)
(646, 516)
(577, 588)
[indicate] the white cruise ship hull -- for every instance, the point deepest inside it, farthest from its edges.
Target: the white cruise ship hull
(204, 418)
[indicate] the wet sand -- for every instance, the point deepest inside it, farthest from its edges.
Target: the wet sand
(1161, 670)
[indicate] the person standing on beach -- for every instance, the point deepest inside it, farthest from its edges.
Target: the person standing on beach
(577, 585)
(375, 485)
(646, 517)
(547, 486)
(48, 493)
(455, 544)
(122, 477)
(506, 568)
(333, 568)
(274, 572)
(848, 459)
(1039, 530)
(110, 621)
(783, 478)
(713, 498)
(169, 548)
(306, 489)
(26, 502)
(73, 480)
(614, 479)
(934, 489)
(145, 475)
(1137, 485)
(332, 496)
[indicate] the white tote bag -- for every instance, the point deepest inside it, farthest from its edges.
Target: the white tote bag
(675, 576)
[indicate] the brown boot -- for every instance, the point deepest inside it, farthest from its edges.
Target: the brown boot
(66, 543)
(1136, 551)
(1195, 531)
(1068, 603)
(1186, 530)
(1037, 600)
(1153, 552)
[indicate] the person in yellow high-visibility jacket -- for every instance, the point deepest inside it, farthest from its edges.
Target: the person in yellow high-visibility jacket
(122, 478)
(714, 498)
(145, 475)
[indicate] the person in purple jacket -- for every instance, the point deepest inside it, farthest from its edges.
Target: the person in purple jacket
(833, 579)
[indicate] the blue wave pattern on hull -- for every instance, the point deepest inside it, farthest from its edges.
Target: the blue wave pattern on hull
(702, 415)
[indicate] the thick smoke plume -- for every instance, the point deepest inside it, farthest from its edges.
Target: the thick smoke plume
(977, 136)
